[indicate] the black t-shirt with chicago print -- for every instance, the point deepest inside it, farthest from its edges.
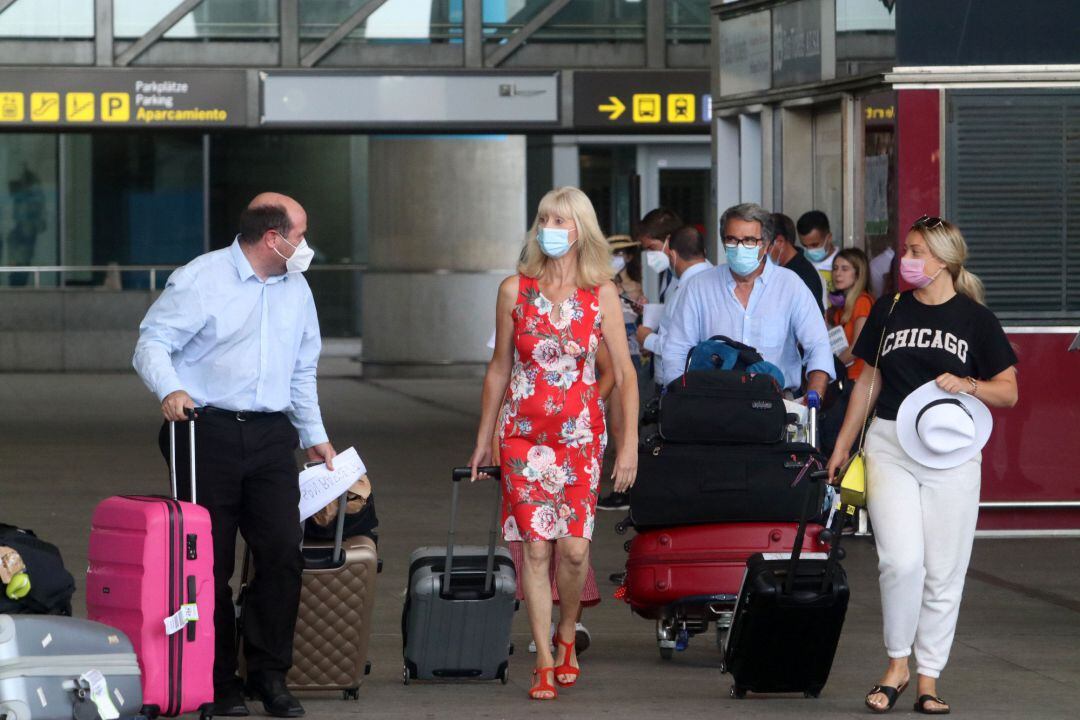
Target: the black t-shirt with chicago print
(959, 336)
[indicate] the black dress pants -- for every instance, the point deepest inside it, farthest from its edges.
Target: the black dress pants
(246, 478)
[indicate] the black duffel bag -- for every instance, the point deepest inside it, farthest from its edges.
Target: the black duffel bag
(51, 585)
(709, 407)
(700, 484)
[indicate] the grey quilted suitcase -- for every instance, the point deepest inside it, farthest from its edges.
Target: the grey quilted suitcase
(459, 606)
(44, 665)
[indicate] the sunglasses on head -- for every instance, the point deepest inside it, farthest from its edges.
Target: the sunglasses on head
(927, 221)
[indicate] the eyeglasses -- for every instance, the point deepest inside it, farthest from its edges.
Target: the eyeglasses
(927, 221)
(747, 242)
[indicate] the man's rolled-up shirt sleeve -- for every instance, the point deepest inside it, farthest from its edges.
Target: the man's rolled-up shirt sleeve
(170, 323)
(811, 332)
(682, 332)
(304, 411)
(653, 342)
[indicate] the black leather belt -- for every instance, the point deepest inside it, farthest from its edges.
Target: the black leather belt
(237, 415)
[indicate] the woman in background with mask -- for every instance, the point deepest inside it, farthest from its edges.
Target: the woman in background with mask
(924, 517)
(540, 393)
(626, 264)
(850, 303)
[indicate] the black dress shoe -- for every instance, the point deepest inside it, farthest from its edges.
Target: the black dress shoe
(276, 698)
(229, 700)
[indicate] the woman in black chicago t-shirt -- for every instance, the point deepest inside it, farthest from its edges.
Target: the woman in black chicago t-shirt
(924, 518)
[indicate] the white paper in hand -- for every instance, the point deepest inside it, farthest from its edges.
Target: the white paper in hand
(653, 313)
(491, 342)
(320, 486)
(838, 340)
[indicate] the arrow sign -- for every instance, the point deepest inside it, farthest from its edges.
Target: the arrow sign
(616, 108)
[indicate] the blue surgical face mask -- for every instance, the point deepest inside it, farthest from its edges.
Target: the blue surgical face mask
(742, 260)
(554, 242)
(816, 255)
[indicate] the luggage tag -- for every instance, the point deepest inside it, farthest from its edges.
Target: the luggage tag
(188, 612)
(99, 694)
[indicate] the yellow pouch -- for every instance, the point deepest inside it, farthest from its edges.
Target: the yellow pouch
(853, 482)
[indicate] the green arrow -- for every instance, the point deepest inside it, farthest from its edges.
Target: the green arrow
(616, 108)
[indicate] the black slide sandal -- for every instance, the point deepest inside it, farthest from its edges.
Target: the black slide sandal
(890, 692)
(920, 705)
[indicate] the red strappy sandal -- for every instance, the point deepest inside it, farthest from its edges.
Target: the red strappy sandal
(566, 668)
(543, 685)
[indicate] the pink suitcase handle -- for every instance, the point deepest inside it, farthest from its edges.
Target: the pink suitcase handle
(191, 453)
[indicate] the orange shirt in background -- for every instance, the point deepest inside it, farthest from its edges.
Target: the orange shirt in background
(863, 303)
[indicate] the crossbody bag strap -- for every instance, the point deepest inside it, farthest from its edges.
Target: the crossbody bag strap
(873, 377)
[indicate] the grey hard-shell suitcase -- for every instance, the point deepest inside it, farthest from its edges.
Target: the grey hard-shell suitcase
(460, 605)
(47, 664)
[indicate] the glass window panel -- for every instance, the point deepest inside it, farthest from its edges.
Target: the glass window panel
(395, 21)
(147, 192)
(581, 20)
(211, 19)
(864, 15)
(48, 19)
(29, 221)
(688, 21)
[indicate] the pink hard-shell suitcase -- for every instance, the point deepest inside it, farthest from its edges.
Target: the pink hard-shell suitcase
(150, 559)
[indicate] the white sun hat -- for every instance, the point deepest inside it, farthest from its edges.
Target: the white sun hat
(941, 430)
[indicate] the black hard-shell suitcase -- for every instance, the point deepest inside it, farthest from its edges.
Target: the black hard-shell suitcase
(787, 619)
(698, 484)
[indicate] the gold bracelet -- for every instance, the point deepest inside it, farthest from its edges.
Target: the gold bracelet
(974, 385)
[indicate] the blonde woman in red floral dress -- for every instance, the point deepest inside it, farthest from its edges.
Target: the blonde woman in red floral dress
(540, 394)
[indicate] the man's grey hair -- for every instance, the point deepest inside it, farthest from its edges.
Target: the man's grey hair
(749, 212)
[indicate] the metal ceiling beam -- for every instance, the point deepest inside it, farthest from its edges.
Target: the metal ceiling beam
(5, 4)
(518, 39)
(289, 32)
(103, 33)
(155, 33)
(341, 32)
(474, 33)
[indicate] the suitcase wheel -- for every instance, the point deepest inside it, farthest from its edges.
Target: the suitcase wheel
(738, 692)
(405, 674)
(351, 694)
(206, 712)
(504, 674)
(812, 693)
(666, 653)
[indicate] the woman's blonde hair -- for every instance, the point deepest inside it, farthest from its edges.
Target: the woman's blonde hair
(948, 245)
(594, 256)
(858, 260)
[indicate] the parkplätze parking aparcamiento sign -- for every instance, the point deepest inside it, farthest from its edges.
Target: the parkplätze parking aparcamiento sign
(146, 97)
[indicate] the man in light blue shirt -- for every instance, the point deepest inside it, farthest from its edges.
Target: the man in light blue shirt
(686, 255)
(751, 301)
(235, 338)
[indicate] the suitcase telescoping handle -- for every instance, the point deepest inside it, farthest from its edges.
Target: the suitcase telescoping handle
(460, 474)
(191, 453)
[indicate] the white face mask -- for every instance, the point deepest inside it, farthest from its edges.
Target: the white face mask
(301, 258)
(658, 260)
(618, 262)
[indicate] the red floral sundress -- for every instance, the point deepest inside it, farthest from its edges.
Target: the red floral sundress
(552, 432)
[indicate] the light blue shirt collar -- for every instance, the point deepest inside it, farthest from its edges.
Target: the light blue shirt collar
(766, 274)
(243, 265)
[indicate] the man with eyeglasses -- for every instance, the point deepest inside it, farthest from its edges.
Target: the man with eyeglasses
(754, 302)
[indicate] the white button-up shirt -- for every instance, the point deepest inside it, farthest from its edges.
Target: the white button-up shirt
(780, 315)
(234, 341)
(654, 343)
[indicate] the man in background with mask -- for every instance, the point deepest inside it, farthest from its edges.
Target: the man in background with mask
(653, 232)
(816, 238)
(235, 337)
(685, 253)
(785, 253)
(754, 302)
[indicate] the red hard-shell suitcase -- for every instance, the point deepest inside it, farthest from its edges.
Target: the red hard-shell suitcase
(152, 558)
(695, 561)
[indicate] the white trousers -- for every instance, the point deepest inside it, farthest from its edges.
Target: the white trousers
(924, 526)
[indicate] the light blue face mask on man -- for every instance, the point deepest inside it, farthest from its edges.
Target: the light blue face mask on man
(816, 255)
(742, 260)
(554, 242)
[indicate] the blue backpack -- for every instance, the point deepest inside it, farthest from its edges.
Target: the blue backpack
(723, 353)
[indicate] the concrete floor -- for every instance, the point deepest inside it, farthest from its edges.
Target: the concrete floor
(67, 441)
